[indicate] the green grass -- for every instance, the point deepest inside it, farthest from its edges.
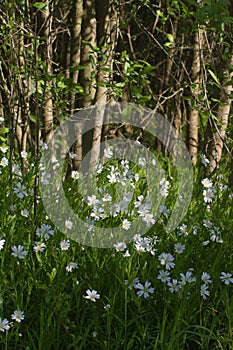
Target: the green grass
(57, 316)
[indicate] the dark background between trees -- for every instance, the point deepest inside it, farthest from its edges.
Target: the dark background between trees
(175, 57)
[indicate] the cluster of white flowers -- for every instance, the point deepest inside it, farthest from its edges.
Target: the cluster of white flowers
(209, 190)
(141, 244)
(104, 206)
(17, 316)
(143, 208)
(164, 187)
(142, 290)
(183, 230)
(4, 161)
(144, 244)
(175, 285)
(214, 232)
(100, 205)
(206, 279)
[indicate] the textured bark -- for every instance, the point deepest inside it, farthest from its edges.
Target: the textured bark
(48, 54)
(74, 62)
(77, 12)
(217, 129)
(106, 38)
(24, 93)
(87, 76)
(193, 115)
(88, 58)
(230, 180)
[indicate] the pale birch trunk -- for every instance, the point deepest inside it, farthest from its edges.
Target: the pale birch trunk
(48, 54)
(217, 137)
(87, 75)
(193, 114)
(74, 62)
(106, 35)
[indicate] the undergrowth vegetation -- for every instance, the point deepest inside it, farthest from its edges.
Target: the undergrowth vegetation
(160, 291)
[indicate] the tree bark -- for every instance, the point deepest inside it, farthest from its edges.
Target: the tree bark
(88, 57)
(217, 137)
(48, 54)
(193, 114)
(77, 16)
(106, 38)
(77, 13)
(87, 76)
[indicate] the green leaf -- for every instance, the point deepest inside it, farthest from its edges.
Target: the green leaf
(40, 5)
(137, 65)
(214, 77)
(73, 69)
(52, 275)
(105, 69)
(120, 85)
(4, 130)
(32, 118)
(168, 45)
(102, 83)
(147, 69)
(170, 38)
(215, 100)
(126, 66)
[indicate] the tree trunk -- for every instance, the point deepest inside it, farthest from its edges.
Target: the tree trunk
(77, 12)
(87, 76)
(230, 180)
(193, 114)
(106, 38)
(48, 54)
(74, 62)
(24, 94)
(88, 57)
(216, 138)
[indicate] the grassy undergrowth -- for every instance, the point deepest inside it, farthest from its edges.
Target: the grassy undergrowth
(161, 291)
